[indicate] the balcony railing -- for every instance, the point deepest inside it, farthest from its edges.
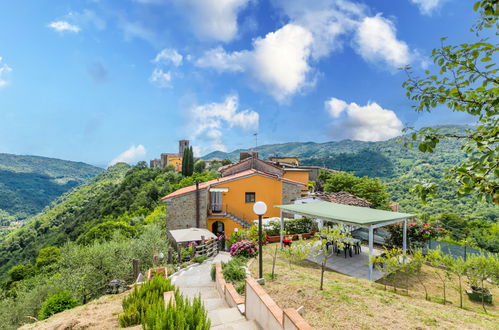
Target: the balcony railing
(216, 208)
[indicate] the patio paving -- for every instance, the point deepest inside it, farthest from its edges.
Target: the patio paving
(355, 266)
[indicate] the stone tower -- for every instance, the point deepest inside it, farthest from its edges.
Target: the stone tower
(182, 145)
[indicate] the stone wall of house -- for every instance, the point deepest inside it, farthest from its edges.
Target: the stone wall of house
(290, 193)
(181, 211)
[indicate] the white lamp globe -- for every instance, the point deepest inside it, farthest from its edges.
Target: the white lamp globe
(260, 208)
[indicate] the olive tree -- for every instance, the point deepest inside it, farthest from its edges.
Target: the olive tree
(321, 243)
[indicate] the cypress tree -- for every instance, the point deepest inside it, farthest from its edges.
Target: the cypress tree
(184, 162)
(190, 162)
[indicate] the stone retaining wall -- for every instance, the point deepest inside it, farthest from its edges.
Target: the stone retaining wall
(259, 306)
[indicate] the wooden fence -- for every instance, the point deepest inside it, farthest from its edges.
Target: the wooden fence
(206, 248)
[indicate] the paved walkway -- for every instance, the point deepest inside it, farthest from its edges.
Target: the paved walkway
(355, 266)
(196, 280)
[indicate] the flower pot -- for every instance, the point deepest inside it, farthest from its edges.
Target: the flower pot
(475, 294)
(160, 271)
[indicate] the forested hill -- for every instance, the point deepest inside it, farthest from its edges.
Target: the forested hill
(384, 159)
(29, 183)
(398, 167)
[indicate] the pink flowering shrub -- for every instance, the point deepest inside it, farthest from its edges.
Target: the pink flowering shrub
(244, 248)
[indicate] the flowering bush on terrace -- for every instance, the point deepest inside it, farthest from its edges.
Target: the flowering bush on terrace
(244, 248)
(417, 233)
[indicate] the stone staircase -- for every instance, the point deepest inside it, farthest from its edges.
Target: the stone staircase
(238, 220)
(196, 280)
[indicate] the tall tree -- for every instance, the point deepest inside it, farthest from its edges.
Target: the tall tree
(467, 82)
(184, 162)
(189, 166)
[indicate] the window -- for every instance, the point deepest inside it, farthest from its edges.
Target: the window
(250, 197)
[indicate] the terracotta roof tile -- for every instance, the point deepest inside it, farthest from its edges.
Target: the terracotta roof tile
(344, 198)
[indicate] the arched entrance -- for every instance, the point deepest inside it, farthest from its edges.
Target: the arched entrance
(218, 228)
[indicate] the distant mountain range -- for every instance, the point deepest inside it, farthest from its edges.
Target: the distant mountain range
(384, 159)
(30, 183)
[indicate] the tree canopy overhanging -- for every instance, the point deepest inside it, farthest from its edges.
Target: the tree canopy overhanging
(467, 82)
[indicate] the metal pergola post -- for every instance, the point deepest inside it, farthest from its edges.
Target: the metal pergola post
(282, 228)
(371, 239)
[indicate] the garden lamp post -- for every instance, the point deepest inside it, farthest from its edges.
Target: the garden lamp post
(260, 208)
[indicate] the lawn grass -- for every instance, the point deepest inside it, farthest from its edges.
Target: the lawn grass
(352, 303)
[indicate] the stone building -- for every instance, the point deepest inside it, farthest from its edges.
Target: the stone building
(226, 204)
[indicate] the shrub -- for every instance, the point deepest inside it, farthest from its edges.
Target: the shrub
(244, 248)
(145, 305)
(136, 304)
(233, 271)
(182, 315)
(20, 272)
(241, 287)
(250, 234)
(199, 259)
(48, 256)
(417, 234)
(291, 226)
(56, 303)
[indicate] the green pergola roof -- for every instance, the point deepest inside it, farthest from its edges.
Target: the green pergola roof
(354, 215)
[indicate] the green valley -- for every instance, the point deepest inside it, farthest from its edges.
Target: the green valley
(30, 183)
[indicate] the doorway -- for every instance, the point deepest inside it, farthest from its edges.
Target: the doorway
(218, 228)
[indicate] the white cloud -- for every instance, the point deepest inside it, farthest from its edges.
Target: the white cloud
(335, 107)
(282, 62)
(161, 79)
(208, 121)
(365, 123)
(132, 155)
(279, 61)
(211, 19)
(427, 6)
(64, 26)
(168, 55)
(4, 71)
(376, 41)
(218, 59)
(327, 20)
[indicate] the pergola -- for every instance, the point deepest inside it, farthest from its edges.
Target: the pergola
(349, 215)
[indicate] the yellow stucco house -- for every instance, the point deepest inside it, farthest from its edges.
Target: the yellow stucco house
(226, 203)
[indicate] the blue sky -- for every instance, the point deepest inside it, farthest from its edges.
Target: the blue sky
(102, 81)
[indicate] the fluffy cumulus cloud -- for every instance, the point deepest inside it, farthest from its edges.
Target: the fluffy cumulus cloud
(327, 20)
(64, 26)
(161, 79)
(427, 6)
(4, 72)
(209, 121)
(365, 123)
(279, 61)
(376, 41)
(130, 156)
(167, 56)
(214, 19)
(282, 62)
